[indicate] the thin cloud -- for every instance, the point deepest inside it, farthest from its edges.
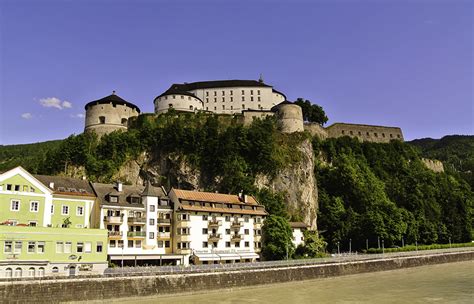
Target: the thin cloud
(80, 115)
(54, 102)
(26, 116)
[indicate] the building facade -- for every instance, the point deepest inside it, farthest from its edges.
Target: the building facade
(43, 219)
(219, 96)
(298, 228)
(217, 228)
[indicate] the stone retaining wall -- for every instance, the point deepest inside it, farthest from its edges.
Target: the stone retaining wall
(55, 291)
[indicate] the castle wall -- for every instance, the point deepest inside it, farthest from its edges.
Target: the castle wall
(370, 133)
(113, 115)
(250, 116)
(433, 164)
(183, 103)
(316, 130)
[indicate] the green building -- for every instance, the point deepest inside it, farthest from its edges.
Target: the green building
(45, 226)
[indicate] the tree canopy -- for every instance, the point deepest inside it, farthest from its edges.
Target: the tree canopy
(312, 112)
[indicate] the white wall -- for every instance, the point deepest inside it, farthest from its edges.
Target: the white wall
(178, 102)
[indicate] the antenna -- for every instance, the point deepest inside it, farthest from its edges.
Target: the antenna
(260, 79)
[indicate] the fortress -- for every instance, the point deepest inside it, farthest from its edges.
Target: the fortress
(250, 99)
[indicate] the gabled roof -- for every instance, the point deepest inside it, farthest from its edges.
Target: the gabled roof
(115, 99)
(21, 171)
(219, 84)
(67, 185)
(212, 197)
(104, 190)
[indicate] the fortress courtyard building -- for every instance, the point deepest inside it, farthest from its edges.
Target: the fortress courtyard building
(219, 96)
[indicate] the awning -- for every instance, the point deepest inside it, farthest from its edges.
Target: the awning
(207, 256)
(229, 256)
(249, 255)
(145, 257)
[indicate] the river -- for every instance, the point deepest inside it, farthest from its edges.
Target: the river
(443, 283)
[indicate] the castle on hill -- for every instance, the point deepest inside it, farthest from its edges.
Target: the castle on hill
(250, 99)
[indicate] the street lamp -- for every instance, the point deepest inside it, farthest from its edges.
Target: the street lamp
(350, 246)
(338, 251)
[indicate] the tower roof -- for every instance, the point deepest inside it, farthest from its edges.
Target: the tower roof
(114, 99)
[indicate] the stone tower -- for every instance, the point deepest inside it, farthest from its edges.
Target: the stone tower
(109, 114)
(290, 117)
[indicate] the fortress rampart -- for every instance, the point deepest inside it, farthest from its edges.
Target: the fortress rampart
(379, 134)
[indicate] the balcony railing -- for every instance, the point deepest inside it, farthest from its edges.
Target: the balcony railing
(236, 237)
(113, 219)
(115, 233)
(136, 234)
(163, 221)
(213, 237)
(137, 220)
(236, 224)
(214, 224)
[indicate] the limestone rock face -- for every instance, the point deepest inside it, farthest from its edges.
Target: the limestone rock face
(298, 183)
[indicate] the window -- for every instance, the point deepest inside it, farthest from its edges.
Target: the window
(18, 272)
(124, 121)
(67, 247)
(112, 243)
(31, 247)
(227, 218)
(227, 244)
(152, 222)
(207, 93)
(138, 244)
(243, 106)
(25, 188)
(9, 187)
(215, 108)
(204, 217)
(258, 98)
(243, 92)
(120, 244)
(182, 97)
(185, 217)
(65, 210)
(152, 208)
(205, 244)
(215, 93)
(160, 244)
(167, 244)
(231, 99)
(227, 231)
(205, 231)
(102, 119)
(251, 98)
(247, 244)
(17, 187)
(59, 247)
(246, 219)
(52, 209)
(88, 247)
(55, 269)
(258, 220)
(41, 272)
(237, 244)
(190, 107)
(243, 98)
(32, 223)
(223, 99)
(18, 246)
(207, 100)
(258, 92)
(80, 210)
(34, 206)
(8, 247)
(15, 205)
(223, 107)
(99, 247)
(174, 96)
(151, 235)
(215, 99)
(246, 231)
(251, 92)
(8, 273)
(170, 105)
(113, 199)
(80, 247)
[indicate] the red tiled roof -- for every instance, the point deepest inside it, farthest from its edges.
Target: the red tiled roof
(213, 197)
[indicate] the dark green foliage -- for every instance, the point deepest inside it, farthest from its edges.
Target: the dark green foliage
(276, 238)
(455, 151)
(384, 191)
(313, 247)
(274, 202)
(312, 112)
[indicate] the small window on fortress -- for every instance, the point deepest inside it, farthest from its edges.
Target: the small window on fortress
(190, 107)
(207, 108)
(207, 93)
(383, 134)
(231, 92)
(352, 133)
(398, 136)
(124, 121)
(174, 96)
(259, 106)
(231, 99)
(368, 134)
(102, 119)
(215, 99)
(391, 135)
(243, 92)
(114, 105)
(223, 107)
(182, 97)
(215, 108)
(215, 93)
(243, 107)
(360, 133)
(189, 97)
(376, 135)
(343, 132)
(223, 93)
(251, 92)
(170, 105)
(231, 107)
(258, 98)
(251, 98)
(243, 98)
(258, 92)
(223, 99)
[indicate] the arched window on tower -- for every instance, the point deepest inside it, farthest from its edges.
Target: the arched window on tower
(125, 122)
(191, 107)
(102, 119)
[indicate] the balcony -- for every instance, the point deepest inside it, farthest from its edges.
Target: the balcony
(115, 234)
(183, 237)
(184, 251)
(257, 225)
(163, 235)
(163, 221)
(236, 237)
(214, 237)
(236, 225)
(214, 224)
(183, 224)
(113, 219)
(136, 234)
(137, 220)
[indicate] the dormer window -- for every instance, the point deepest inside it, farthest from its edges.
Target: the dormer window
(113, 199)
(61, 189)
(134, 200)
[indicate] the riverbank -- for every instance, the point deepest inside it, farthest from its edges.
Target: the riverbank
(83, 289)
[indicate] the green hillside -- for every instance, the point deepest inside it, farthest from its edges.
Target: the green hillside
(455, 151)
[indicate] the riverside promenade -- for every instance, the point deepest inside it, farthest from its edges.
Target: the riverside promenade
(150, 281)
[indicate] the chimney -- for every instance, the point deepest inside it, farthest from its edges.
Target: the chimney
(113, 92)
(118, 186)
(245, 199)
(51, 185)
(240, 195)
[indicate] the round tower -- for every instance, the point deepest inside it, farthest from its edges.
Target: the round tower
(109, 114)
(290, 117)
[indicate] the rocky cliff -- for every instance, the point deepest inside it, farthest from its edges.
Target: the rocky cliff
(297, 181)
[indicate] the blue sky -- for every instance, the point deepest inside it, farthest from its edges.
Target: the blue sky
(401, 63)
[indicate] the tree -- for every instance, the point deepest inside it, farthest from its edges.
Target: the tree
(312, 112)
(277, 236)
(313, 247)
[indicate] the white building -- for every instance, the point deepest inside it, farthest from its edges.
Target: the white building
(297, 228)
(219, 96)
(217, 228)
(138, 223)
